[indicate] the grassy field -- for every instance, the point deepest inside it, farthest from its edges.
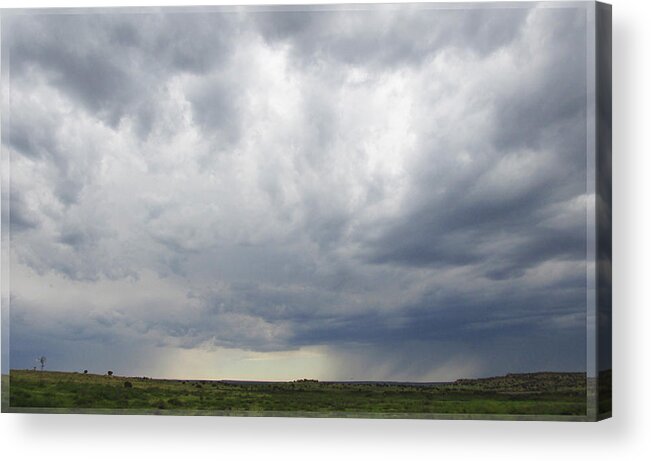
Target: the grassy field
(520, 394)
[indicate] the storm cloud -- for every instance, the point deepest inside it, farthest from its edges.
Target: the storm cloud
(373, 194)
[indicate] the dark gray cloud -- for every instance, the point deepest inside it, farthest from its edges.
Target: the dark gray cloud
(475, 216)
(116, 65)
(18, 214)
(374, 182)
(387, 38)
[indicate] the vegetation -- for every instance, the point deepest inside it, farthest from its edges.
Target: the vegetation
(605, 392)
(521, 394)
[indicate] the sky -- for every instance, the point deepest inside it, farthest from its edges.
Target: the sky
(373, 194)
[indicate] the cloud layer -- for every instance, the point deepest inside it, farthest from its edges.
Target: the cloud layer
(402, 190)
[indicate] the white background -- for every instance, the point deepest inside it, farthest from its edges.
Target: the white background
(626, 436)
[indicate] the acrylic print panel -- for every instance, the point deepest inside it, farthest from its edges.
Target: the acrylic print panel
(346, 210)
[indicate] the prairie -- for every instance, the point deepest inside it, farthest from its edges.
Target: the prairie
(553, 394)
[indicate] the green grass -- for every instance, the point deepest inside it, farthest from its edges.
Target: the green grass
(522, 394)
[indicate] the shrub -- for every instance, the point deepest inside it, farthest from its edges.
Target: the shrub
(110, 373)
(128, 384)
(85, 372)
